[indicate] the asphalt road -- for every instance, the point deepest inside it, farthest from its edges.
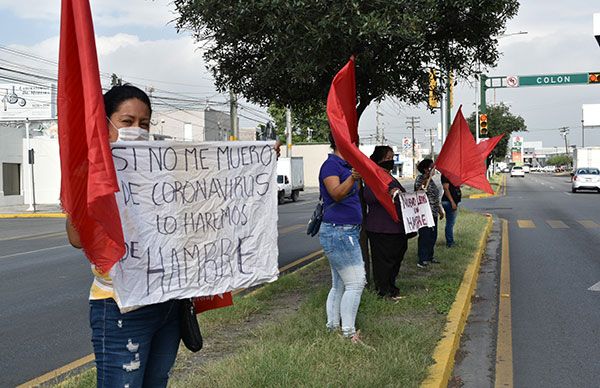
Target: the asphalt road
(554, 245)
(45, 285)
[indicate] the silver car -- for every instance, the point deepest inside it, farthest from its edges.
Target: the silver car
(587, 178)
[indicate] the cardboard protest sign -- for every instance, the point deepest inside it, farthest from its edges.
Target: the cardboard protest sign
(198, 219)
(416, 212)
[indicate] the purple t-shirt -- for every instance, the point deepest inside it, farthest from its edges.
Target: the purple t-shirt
(348, 211)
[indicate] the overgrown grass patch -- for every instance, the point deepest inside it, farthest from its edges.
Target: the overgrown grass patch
(277, 333)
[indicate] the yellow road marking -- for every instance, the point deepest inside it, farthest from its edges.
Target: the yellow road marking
(445, 351)
(90, 357)
(556, 224)
(32, 215)
(291, 228)
(57, 372)
(504, 354)
(589, 224)
(525, 224)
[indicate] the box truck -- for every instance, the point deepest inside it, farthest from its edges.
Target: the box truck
(586, 157)
(290, 178)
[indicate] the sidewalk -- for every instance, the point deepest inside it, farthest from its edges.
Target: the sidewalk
(20, 211)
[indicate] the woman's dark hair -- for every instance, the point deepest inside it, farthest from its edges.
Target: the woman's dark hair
(121, 93)
(380, 152)
(331, 141)
(423, 164)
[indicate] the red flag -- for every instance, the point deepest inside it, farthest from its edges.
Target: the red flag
(88, 175)
(485, 147)
(341, 111)
(205, 303)
(460, 160)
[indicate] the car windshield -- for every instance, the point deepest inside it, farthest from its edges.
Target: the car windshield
(590, 171)
(517, 168)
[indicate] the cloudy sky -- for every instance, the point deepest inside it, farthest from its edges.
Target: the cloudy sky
(138, 41)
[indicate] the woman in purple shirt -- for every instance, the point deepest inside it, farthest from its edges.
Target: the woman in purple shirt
(339, 235)
(387, 238)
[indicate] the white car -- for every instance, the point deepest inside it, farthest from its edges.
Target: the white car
(517, 171)
(586, 178)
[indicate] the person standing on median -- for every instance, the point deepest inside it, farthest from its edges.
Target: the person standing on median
(428, 235)
(450, 200)
(340, 237)
(387, 238)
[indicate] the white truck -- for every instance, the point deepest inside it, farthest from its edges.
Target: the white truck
(586, 157)
(290, 178)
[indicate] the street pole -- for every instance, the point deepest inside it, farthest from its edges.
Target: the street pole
(413, 121)
(288, 132)
(30, 162)
(477, 102)
(377, 125)
(235, 133)
(448, 101)
(582, 134)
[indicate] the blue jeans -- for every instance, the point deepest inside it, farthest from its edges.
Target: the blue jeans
(426, 242)
(450, 221)
(135, 349)
(341, 244)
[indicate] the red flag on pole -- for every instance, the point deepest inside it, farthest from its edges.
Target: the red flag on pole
(88, 175)
(341, 111)
(485, 147)
(459, 159)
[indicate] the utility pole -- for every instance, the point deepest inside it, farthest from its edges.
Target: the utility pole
(288, 132)
(235, 131)
(30, 160)
(413, 122)
(564, 131)
(378, 128)
(431, 141)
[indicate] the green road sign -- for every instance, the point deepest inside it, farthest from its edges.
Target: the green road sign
(553, 79)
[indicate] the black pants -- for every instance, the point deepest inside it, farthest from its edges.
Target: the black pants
(387, 252)
(426, 243)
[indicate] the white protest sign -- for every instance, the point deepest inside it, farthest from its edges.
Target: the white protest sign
(198, 219)
(416, 212)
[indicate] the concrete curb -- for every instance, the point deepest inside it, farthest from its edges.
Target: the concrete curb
(443, 355)
(32, 215)
(486, 195)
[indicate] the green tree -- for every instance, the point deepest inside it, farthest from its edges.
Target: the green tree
(287, 52)
(560, 160)
(303, 120)
(500, 121)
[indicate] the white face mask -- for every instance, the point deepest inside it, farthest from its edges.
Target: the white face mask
(133, 133)
(130, 133)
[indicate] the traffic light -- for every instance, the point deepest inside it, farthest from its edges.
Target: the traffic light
(593, 78)
(483, 125)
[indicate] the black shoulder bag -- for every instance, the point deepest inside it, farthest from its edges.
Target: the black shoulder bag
(188, 326)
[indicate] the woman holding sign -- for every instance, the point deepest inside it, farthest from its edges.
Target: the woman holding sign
(340, 237)
(427, 235)
(387, 238)
(136, 348)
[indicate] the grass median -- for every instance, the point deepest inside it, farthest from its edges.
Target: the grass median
(496, 181)
(275, 336)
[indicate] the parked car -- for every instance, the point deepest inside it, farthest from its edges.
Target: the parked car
(506, 169)
(587, 178)
(517, 171)
(526, 168)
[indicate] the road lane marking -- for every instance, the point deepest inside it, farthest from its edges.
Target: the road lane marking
(595, 287)
(557, 224)
(57, 372)
(291, 228)
(589, 224)
(47, 235)
(504, 353)
(525, 224)
(90, 357)
(35, 251)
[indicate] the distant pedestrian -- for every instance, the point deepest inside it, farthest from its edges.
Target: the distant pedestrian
(428, 235)
(387, 237)
(340, 237)
(450, 200)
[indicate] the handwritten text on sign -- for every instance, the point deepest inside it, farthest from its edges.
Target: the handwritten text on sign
(416, 212)
(198, 219)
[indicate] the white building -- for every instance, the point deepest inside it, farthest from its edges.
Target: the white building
(191, 125)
